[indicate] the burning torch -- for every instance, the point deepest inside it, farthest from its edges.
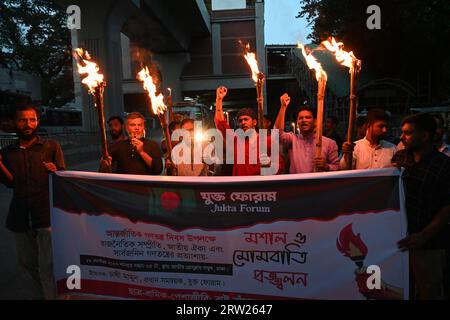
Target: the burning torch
(321, 77)
(157, 102)
(349, 60)
(96, 86)
(258, 78)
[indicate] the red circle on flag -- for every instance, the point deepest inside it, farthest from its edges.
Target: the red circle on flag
(170, 201)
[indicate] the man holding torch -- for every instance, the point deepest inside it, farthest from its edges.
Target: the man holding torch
(247, 121)
(195, 139)
(349, 60)
(301, 146)
(371, 152)
(136, 155)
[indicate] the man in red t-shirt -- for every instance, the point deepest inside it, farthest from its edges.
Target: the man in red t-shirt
(254, 160)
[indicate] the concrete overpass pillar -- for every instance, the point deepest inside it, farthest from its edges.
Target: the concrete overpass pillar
(100, 34)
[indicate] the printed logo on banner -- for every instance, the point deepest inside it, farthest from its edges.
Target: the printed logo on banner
(239, 202)
(170, 201)
(368, 278)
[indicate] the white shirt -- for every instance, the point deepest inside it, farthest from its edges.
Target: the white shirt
(366, 156)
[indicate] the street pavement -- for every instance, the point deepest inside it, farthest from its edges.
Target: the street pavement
(14, 282)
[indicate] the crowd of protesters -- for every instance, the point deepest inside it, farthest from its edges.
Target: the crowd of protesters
(422, 153)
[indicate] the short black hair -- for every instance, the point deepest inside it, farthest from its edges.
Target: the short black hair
(424, 122)
(333, 119)
(376, 114)
(306, 108)
(173, 124)
(27, 107)
(360, 121)
(247, 112)
(115, 118)
(187, 120)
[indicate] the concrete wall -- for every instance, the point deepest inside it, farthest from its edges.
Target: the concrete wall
(20, 82)
(228, 4)
(217, 60)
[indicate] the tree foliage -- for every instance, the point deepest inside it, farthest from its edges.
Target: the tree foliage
(34, 38)
(412, 43)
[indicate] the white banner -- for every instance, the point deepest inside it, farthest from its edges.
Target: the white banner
(314, 236)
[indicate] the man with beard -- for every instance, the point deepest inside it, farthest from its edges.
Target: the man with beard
(371, 152)
(136, 155)
(115, 125)
(427, 193)
(301, 146)
(253, 160)
(25, 167)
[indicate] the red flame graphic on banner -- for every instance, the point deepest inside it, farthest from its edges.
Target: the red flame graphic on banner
(351, 245)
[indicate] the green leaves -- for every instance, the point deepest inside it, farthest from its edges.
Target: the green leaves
(34, 39)
(412, 43)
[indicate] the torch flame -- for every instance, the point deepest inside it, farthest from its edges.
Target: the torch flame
(199, 136)
(250, 57)
(313, 64)
(345, 58)
(93, 78)
(149, 84)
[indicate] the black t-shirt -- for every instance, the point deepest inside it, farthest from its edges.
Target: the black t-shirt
(427, 191)
(30, 206)
(127, 161)
(337, 138)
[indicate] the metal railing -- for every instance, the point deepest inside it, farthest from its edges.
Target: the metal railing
(6, 139)
(77, 147)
